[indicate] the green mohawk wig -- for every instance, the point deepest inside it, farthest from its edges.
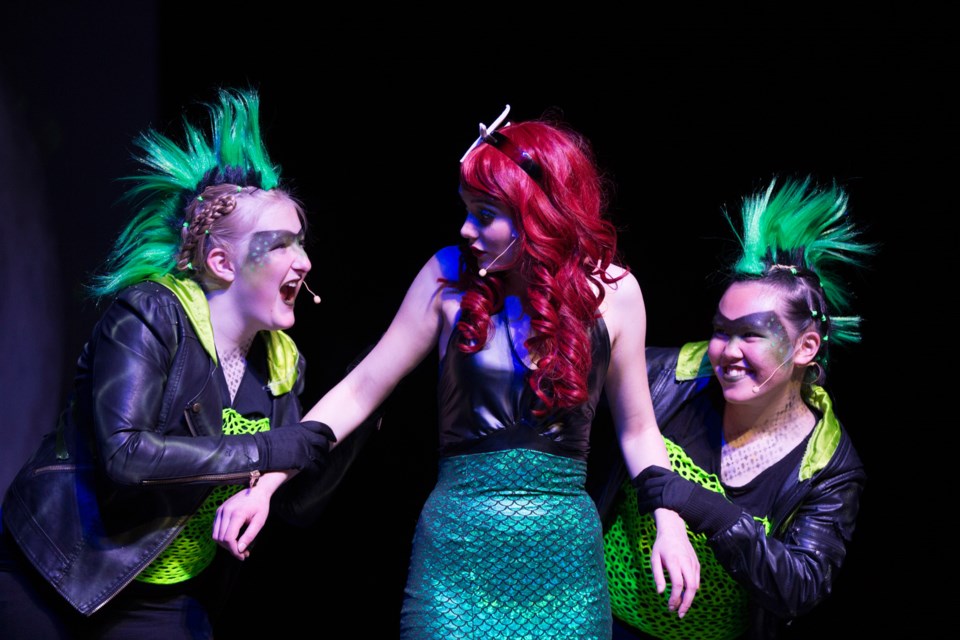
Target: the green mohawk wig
(148, 246)
(802, 228)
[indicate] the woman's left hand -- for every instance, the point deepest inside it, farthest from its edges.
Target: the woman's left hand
(672, 551)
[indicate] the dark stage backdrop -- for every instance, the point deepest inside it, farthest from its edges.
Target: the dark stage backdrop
(368, 118)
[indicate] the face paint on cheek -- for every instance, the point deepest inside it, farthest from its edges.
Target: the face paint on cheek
(780, 343)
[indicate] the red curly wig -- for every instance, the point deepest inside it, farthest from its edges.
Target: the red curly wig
(566, 244)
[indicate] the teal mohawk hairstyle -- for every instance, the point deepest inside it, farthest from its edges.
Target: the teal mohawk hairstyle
(802, 227)
(147, 247)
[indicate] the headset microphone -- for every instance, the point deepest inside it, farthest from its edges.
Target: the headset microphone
(316, 298)
(757, 387)
(483, 272)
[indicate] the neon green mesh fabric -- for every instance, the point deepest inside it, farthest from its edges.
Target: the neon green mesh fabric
(719, 611)
(508, 546)
(194, 548)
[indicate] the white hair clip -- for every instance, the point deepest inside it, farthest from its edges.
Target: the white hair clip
(486, 131)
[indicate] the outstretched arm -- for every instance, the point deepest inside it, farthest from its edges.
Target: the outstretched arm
(629, 394)
(412, 334)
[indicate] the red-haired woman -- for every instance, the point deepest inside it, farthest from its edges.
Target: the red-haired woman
(533, 318)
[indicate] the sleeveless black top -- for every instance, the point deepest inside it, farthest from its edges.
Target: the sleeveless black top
(486, 403)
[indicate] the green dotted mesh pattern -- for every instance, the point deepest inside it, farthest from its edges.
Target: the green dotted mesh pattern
(508, 546)
(193, 549)
(719, 610)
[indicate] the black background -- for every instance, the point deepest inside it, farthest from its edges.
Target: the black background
(368, 111)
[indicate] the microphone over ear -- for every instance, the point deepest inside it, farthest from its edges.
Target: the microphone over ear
(316, 298)
(483, 272)
(756, 388)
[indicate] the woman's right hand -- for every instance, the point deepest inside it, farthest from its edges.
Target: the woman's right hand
(241, 517)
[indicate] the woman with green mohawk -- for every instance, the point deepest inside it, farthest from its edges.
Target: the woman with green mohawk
(762, 472)
(185, 394)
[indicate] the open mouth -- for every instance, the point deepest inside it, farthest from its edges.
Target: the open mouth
(289, 290)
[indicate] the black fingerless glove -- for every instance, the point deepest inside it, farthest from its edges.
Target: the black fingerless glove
(703, 510)
(294, 446)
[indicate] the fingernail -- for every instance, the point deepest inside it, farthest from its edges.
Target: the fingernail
(241, 546)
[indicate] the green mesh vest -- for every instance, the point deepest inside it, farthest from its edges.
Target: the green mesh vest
(719, 611)
(193, 549)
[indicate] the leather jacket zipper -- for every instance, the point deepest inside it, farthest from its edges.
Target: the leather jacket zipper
(210, 477)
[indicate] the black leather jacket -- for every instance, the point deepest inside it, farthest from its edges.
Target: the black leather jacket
(791, 570)
(139, 447)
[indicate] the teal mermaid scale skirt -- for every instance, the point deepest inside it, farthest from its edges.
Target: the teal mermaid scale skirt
(508, 546)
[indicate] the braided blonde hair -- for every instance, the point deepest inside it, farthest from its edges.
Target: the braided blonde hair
(211, 205)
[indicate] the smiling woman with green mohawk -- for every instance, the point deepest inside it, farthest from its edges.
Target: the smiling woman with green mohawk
(185, 394)
(762, 472)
